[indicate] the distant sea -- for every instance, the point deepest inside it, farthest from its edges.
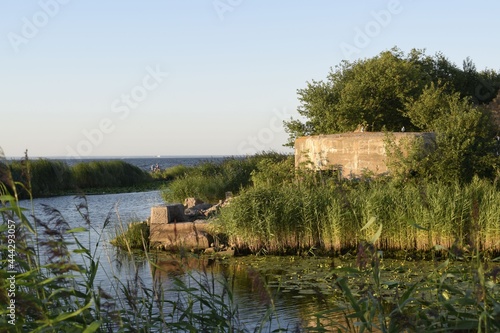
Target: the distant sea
(146, 163)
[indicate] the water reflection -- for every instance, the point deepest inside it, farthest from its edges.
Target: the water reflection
(254, 290)
(291, 289)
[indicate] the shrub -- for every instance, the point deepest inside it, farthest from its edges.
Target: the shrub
(210, 181)
(171, 173)
(135, 237)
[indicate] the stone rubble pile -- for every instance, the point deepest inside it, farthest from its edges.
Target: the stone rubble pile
(175, 226)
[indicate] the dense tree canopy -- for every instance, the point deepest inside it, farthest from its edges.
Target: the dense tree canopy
(378, 91)
(414, 90)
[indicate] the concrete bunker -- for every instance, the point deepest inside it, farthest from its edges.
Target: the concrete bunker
(352, 154)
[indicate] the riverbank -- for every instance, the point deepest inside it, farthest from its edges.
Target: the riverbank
(43, 177)
(47, 177)
(356, 289)
(278, 209)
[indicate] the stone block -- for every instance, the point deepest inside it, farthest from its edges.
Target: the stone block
(167, 214)
(188, 235)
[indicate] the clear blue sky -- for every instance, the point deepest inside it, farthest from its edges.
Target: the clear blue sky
(90, 77)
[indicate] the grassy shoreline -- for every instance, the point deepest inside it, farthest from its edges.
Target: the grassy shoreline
(60, 295)
(46, 178)
(278, 209)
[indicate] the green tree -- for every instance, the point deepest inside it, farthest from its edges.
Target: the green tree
(376, 92)
(464, 135)
(417, 91)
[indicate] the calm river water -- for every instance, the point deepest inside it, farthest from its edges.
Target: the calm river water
(296, 299)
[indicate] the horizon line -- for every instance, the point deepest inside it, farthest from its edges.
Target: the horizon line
(127, 156)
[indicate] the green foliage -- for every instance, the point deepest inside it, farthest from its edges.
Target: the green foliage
(136, 237)
(464, 144)
(55, 295)
(108, 174)
(326, 215)
(433, 104)
(273, 171)
(419, 92)
(209, 181)
(171, 173)
(45, 177)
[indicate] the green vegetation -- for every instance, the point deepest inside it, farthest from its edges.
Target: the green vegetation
(108, 174)
(136, 237)
(448, 298)
(47, 177)
(209, 181)
(417, 92)
(171, 173)
(318, 213)
(380, 92)
(55, 293)
(281, 210)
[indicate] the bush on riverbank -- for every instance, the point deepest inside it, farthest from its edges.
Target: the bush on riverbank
(171, 173)
(209, 181)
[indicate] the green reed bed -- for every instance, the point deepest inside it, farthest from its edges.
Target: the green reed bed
(134, 237)
(46, 177)
(209, 181)
(51, 177)
(108, 174)
(328, 215)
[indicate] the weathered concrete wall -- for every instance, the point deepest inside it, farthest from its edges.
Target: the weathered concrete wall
(169, 229)
(167, 214)
(352, 153)
(172, 236)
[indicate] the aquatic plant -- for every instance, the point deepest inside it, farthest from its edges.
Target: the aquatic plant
(53, 177)
(326, 214)
(134, 237)
(209, 181)
(46, 177)
(108, 174)
(446, 299)
(171, 173)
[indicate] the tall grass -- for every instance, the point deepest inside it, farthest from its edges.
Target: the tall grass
(135, 237)
(209, 181)
(47, 177)
(171, 173)
(108, 174)
(50, 177)
(327, 215)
